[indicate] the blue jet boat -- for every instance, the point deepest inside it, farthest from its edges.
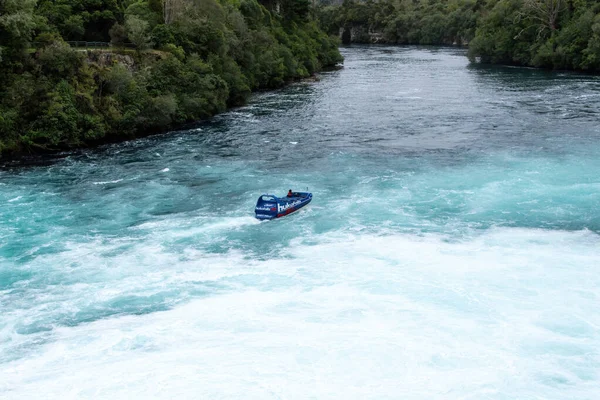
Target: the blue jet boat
(271, 207)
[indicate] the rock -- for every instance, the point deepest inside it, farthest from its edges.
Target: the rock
(108, 59)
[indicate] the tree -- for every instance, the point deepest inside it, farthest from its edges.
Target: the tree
(172, 9)
(295, 10)
(156, 6)
(138, 32)
(73, 27)
(592, 52)
(17, 23)
(118, 34)
(59, 59)
(545, 13)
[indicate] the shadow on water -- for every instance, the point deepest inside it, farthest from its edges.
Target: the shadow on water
(531, 78)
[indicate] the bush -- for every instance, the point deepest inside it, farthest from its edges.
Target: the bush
(59, 59)
(118, 34)
(138, 32)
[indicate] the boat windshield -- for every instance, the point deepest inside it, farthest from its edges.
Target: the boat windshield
(268, 198)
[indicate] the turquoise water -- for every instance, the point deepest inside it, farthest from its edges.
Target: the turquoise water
(452, 249)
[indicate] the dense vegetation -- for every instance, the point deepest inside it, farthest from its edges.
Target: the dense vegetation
(189, 60)
(402, 21)
(558, 34)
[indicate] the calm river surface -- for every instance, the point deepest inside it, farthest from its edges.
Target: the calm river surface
(452, 249)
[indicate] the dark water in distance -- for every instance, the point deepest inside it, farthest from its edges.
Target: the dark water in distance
(451, 249)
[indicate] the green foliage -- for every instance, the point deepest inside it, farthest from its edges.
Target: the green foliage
(156, 6)
(162, 36)
(591, 54)
(552, 34)
(295, 10)
(118, 34)
(73, 27)
(144, 12)
(556, 34)
(194, 58)
(495, 38)
(59, 59)
(81, 19)
(118, 81)
(401, 22)
(17, 25)
(138, 32)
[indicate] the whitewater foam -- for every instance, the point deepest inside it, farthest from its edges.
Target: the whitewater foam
(450, 252)
(107, 182)
(354, 316)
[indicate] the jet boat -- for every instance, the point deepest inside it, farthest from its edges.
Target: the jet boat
(271, 207)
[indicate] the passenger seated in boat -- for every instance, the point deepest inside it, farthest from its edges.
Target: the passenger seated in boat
(290, 194)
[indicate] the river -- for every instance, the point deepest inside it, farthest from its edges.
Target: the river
(452, 249)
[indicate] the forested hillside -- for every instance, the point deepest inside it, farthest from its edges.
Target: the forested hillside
(170, 62)
(401, 21)
(557, 34)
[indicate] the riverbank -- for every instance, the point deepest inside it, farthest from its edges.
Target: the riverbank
(188, 66)
(505, 32)
(42, 156)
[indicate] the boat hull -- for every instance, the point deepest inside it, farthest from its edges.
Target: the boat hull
(272, 207)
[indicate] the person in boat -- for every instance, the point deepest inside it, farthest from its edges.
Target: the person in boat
(290, 194)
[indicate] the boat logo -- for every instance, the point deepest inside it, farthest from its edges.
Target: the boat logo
(283, 207)
(266, 207)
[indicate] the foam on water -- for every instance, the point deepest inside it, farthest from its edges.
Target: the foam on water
(107, 182)
(507, 314)
(451, 250)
